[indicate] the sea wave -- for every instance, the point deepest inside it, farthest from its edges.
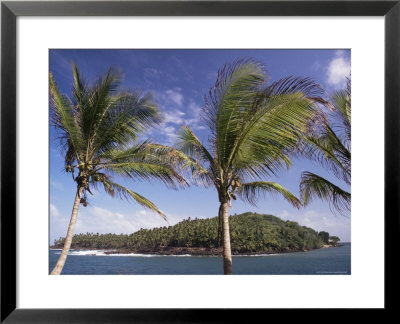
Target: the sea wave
(255, 255)
(85, 252)
(147, 255)
(133, 255)
(102, 253)
(60, 249)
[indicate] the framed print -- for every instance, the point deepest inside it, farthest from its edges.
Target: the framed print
(155, 88)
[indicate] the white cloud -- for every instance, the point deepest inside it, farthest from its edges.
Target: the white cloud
(191, 118)
(56, 185)
(194, 108)
(101, 220)
(169, 99)
(175, 96)
(338, 69)
(176, 111)
(95, 219)
(194, 121)
(169, 102)
(169, 134)
(58, 223)
(320, 221)
(54, 211)
(175, 117)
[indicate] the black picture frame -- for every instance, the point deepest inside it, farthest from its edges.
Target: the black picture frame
(10, 10)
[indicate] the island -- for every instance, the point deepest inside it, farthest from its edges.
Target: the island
(251, 234)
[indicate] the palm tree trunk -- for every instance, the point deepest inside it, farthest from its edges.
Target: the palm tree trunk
(227, 253)
(68, 239)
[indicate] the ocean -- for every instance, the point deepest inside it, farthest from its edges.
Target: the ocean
(329, 261)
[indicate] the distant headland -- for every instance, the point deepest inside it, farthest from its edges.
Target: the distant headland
(251, 234)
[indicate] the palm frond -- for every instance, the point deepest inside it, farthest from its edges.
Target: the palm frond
(79, 88)
(330, 145)
(95, 100)
(135, 151)
(341, 101)
(148, 160)
(125, 117)
(312, 186)
(190, 145)
(146, 170)
(330, 152)
(251, 191)
(113, 189)
(64, 119)
(229, 102)
(273, 131)
(183, 163)
(295, 84)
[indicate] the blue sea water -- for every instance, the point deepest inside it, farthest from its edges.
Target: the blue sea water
(330, 261)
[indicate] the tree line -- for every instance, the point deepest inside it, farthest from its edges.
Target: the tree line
(250, 233)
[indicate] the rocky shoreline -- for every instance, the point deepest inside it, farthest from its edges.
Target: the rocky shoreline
(195, 251)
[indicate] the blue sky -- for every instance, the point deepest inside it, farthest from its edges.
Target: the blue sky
(179, 79)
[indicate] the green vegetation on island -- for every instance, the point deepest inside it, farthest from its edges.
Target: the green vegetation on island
(250, 233)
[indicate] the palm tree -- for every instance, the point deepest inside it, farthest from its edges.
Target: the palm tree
(330, 144)
(98, 129)
(254, 128)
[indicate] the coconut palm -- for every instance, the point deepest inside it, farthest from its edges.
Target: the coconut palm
(254, 128)
(98, 128)
(330, 144)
